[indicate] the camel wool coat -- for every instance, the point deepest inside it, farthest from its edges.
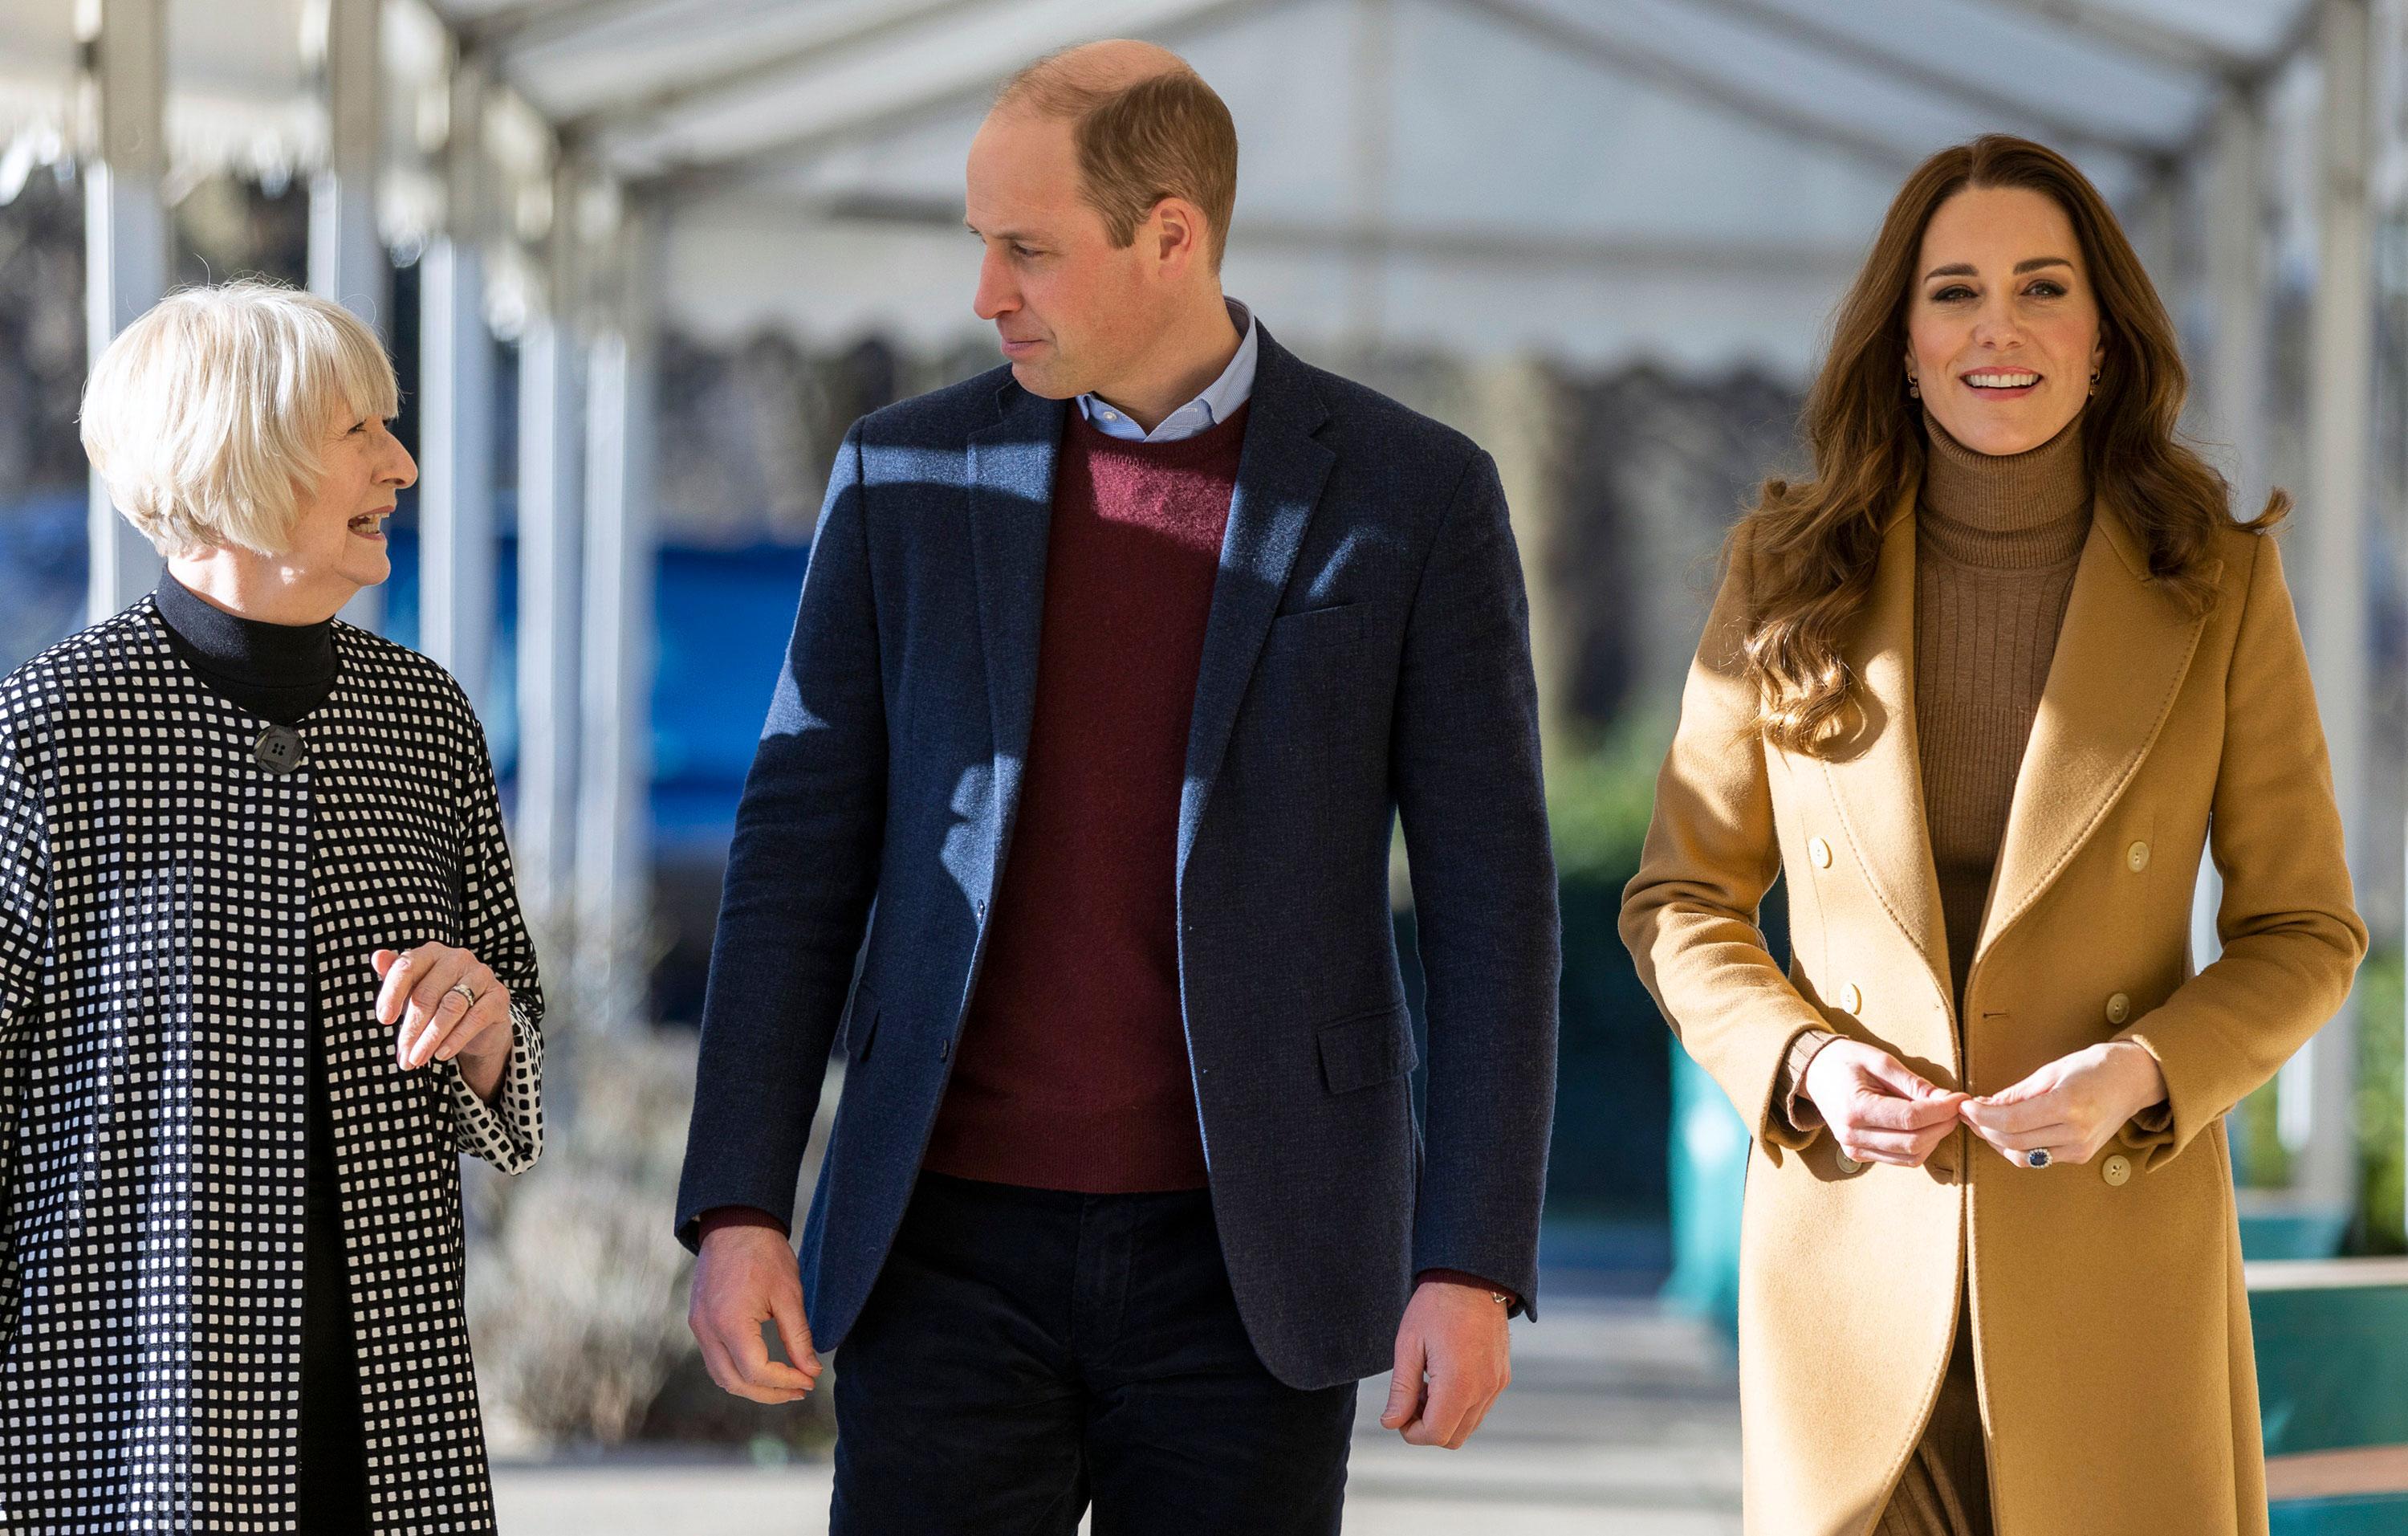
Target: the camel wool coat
(2109, 1318)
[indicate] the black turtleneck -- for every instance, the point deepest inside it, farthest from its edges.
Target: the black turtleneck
(280, 672)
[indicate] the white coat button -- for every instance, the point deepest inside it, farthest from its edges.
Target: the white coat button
(1851, 1000)
(2137, 856)
(2119, 1008)
(2116, 1171)
(1820, 852)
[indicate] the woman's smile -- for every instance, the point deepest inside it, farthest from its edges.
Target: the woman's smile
(2002, 383)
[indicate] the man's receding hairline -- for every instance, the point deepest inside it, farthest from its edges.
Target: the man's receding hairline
(1070, 74)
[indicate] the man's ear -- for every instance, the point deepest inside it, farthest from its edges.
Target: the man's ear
(1176, 227)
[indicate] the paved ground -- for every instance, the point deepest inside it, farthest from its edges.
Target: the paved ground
(1619, 1420)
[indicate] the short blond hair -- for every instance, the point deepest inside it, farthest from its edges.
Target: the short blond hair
(207, 417)
(1163, 133)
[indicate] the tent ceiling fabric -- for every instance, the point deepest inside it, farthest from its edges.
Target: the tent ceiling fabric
(1650, 154)
(1686, 179)
(668, 86)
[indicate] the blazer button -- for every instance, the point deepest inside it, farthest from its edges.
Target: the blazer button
(2119, 1008)
(1820, 852)
(1850, 1000)
(2137, 856)
(2116, 1171)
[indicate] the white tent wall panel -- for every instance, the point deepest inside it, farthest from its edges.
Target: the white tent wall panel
(839, 280)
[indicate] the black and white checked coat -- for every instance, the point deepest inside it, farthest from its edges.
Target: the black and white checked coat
(164, 900)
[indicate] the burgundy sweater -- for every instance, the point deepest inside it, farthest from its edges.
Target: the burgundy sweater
(1072, 1068)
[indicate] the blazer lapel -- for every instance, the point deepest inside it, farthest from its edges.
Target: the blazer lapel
(1875, 772)
(2120, 659)
(1280, 471)
(1011, 514)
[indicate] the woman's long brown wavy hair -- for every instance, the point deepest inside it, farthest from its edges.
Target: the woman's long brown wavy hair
(1814, 543)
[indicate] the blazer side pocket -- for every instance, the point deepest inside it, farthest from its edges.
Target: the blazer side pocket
(1366, 1049)
(860, 1026)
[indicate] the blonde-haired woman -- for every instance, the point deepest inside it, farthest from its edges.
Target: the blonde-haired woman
(1984, 688)
(262, 977)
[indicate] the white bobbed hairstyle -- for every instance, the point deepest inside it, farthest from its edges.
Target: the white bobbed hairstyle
(206, 416)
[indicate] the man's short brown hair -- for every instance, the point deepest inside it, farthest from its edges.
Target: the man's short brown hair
(1166, 135)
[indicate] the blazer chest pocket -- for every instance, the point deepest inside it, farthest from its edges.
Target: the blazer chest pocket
(1367, 1049)
(1315, 627)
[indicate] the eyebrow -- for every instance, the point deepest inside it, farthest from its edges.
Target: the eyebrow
(1965, 269)
(1016, 236)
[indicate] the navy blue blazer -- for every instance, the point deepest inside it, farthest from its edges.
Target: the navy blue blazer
(1367, 658)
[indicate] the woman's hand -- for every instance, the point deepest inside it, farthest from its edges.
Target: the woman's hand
(423, 993)
(2069, 1108)
(1878, 1110)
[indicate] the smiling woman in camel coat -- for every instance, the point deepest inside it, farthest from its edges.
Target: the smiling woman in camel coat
(2110, 1322)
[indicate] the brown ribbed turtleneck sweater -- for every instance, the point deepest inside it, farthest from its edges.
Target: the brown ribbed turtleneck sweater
(1996, 544)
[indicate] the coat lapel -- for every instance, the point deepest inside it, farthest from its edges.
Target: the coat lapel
(1875, 775)
(2121, 658)
(1012, 515)
(1280, 471)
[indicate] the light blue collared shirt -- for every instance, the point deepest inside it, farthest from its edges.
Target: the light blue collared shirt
(1210, 408)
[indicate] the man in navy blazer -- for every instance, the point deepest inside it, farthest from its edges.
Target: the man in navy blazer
(1113, 671)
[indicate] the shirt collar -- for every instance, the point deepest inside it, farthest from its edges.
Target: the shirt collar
(1218, 402)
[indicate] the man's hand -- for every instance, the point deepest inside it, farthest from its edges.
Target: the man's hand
(2071, 1106)
(747, 1276)
(1452, 1358)
(1879, 1112)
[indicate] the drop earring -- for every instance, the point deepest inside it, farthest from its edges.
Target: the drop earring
(1914, 386)
(2094, 382)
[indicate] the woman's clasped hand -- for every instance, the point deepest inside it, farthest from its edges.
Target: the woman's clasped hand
(1880, 1111)
(449, 1005)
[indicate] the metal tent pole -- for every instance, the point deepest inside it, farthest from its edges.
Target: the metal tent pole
(126, 246)
(456, 491)
(2339, 415)
(551, 443)
(347, 259)
(613, 857)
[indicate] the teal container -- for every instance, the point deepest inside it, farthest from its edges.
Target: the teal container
(2367, 1514)
(2332, 1354)
(2292, 1231)
(1709, 1177)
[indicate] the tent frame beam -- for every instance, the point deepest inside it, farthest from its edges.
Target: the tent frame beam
(776, 68)
(690, 179)
(1903, 68)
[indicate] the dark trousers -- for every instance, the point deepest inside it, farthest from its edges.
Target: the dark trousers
(1027, 1353)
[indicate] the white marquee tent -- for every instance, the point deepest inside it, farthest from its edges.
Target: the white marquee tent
(1592, 181)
